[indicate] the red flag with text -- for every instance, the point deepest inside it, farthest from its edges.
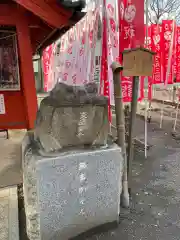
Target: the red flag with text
(156, 45)
(178, 54)
(131, 14)
(104, 64)
(46, 57)
(167, 28)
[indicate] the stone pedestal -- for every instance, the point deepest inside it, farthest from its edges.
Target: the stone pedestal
(71, 193)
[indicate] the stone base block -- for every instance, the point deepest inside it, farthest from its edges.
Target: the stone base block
(78, 191)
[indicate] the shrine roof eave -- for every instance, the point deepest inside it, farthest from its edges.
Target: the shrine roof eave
(56, 33)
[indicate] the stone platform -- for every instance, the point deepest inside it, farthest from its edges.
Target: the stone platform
(72, 192)
(9, 223)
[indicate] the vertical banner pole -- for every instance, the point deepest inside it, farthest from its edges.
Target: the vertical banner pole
(168, 69)
(145, 123)
(146, 92)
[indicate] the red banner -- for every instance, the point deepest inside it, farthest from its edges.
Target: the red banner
(167, 28)
(131, 23)
(46, 66)
(174, 53)
(148, 41)
(156, 45)
(138, 21)
(126, 34)
(178, 54)
(148, 44)
(112, 41)
(104, 66)
(131, 14)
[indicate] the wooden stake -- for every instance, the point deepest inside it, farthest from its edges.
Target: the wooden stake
(120, 125)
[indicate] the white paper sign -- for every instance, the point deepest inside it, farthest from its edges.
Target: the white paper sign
(2, 105)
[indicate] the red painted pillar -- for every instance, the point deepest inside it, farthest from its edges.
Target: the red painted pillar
(27, 71)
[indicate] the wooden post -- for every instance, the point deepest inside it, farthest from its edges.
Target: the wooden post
(135, 88)
(120, 125)
(27, 71)
(136, 62)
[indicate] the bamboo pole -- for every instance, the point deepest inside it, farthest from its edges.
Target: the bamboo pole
(135, 88)
(120, 125)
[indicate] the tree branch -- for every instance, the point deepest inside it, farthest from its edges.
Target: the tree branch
(162, 9)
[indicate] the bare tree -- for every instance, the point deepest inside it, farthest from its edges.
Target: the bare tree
(163, 9)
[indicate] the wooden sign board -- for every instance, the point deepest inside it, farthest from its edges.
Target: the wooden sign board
(138, 62)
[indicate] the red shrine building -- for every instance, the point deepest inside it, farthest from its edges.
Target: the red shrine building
(26, 28)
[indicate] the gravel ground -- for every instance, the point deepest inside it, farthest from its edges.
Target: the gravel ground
(154, 212)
